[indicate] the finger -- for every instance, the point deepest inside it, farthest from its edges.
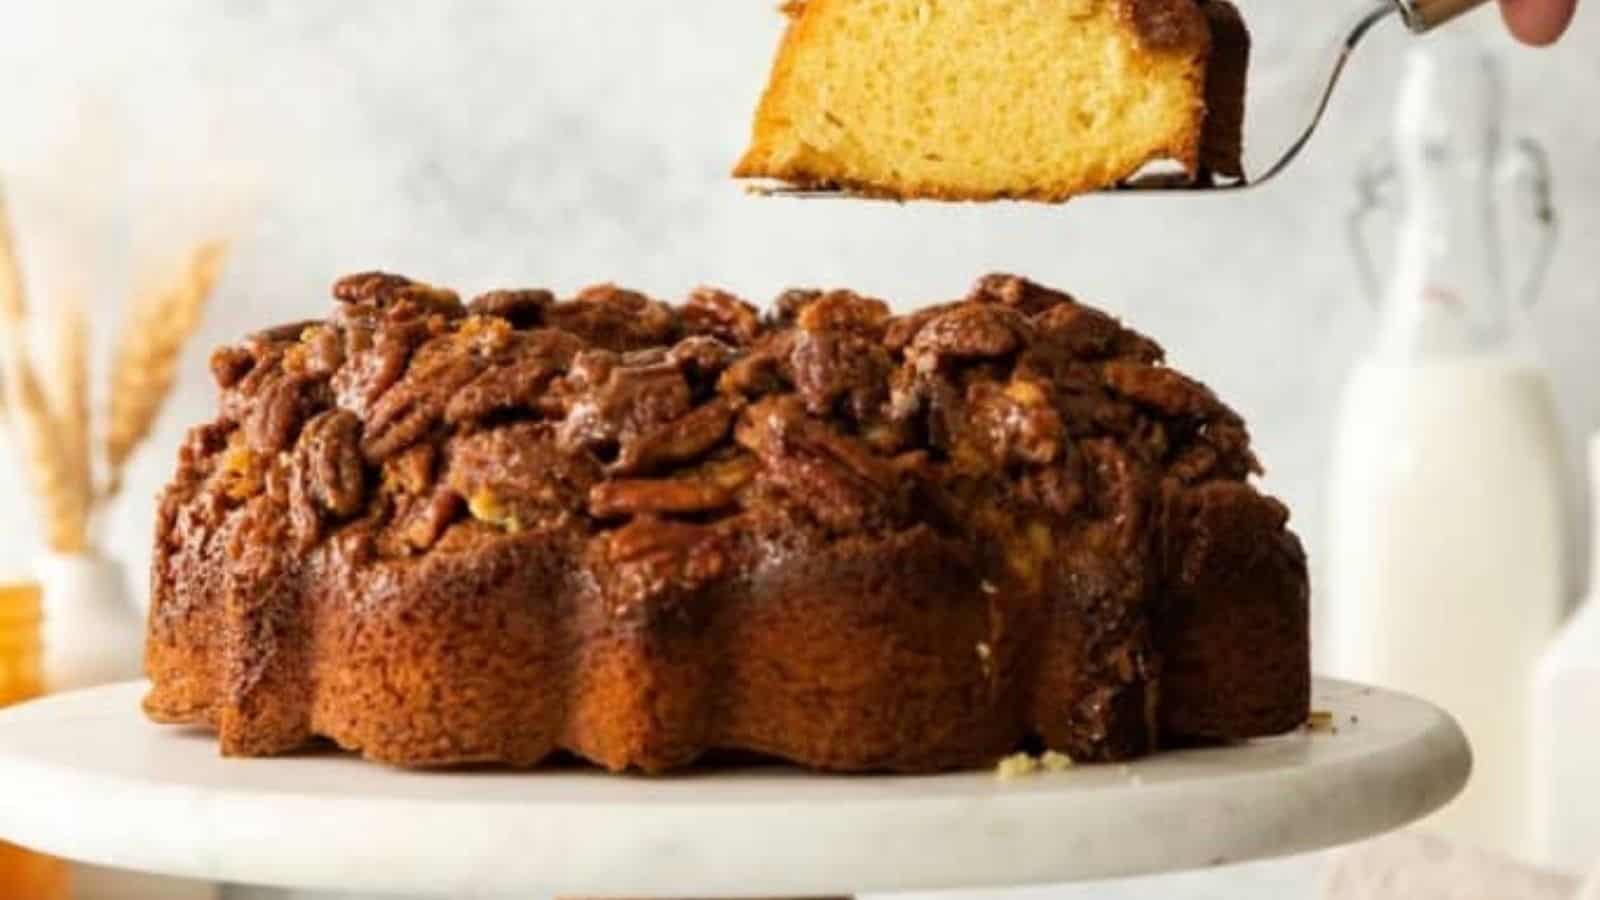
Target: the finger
(1538, 22)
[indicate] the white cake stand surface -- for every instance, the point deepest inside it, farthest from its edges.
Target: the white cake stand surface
(86, 777)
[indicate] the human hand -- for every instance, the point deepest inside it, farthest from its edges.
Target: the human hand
(1538, 22)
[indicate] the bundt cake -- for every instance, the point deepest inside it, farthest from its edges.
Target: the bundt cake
(441, 533)
(988, 99)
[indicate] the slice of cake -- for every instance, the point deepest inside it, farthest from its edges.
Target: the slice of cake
(992, 99)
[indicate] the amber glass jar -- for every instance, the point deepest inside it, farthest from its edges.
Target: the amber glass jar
(24, 875)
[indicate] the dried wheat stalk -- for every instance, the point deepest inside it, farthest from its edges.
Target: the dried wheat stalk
(59, 492)
(12, 306)
(65, 517)
(70, 401)
(147, 354)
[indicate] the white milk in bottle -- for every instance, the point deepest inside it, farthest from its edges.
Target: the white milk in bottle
(1446, 570)
(1566, 724)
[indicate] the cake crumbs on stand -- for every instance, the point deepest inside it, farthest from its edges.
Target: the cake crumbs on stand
(1018, 765)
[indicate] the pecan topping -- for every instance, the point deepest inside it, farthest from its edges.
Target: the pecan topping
(330, 449)
(415, 405)
(230, 364)
(1165, 390)
(829, 366)
(428, 521)
(618, 402)
(1016, 422)
(721, 315)
(615, 319)
(970, 332)
(382, 291)
(1020, 294)
(844, 311)
(709, 490)
(1016, 412)
(655, 555)
(515, 381)
(683, 439)
(278, 411)
(838, 479)
(523, 309)
(518, 478)
(1085, 333)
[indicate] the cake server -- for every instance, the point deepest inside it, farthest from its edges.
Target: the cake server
(1419, 16)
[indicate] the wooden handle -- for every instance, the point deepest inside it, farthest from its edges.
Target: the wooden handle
(1425, 15)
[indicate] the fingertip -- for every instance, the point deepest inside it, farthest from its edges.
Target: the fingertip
(1539, 23)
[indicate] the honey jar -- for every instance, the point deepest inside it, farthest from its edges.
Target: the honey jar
(24, 875)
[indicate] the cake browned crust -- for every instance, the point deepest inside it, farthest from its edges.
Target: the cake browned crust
(441, 533)
(1227, 71)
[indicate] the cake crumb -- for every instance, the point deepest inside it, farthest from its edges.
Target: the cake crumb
(1017, 765)
(1053, 761)
(1321, 720)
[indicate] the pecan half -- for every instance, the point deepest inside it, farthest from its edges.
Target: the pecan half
(970, 332)
(427, 520)
(618, 403)
(1164, 390)
(714, 487)
(683, 439)
(231, 364)
(842, 483)
(722, 315)
(330, 451)
(276, 414)
(382, 290)
(615, 319)
(415, 405)
(523, 309)
(1016, 422)
(654, 555)
(519, 474)
(844, 311)
(516, 381)
(1020, 294)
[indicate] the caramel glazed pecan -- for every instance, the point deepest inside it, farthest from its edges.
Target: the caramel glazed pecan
(668, 448)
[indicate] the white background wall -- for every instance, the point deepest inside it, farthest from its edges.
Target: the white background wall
(496, 143)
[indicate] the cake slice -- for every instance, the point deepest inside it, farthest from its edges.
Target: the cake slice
(994, 99)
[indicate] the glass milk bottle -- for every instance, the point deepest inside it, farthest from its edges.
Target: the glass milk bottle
(1446, 569)
(1566, 724)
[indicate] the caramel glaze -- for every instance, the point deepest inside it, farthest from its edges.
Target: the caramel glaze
(441, 533)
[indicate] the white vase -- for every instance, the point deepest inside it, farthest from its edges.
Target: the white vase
(91, 633)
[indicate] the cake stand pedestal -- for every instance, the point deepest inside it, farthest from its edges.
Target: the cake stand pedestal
(85, 777)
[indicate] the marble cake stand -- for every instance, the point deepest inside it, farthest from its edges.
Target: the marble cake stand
(85, 777)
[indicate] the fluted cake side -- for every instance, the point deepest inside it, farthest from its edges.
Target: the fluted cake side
(440, 533)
